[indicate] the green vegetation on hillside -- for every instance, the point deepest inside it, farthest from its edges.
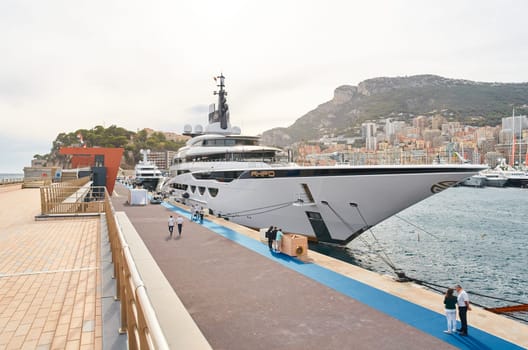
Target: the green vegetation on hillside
(112, 136)
(402, 98)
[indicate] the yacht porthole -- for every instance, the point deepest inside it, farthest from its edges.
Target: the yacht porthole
(212, 191)
(201, 189)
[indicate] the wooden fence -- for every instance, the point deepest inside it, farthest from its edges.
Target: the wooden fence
(138, 318)
(72, 197)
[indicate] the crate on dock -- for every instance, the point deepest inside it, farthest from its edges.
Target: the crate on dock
(137, 197)
(294, 245)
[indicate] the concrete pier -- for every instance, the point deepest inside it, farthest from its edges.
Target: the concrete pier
(244, 297)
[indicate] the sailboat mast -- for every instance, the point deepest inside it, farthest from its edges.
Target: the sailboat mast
(520, 140)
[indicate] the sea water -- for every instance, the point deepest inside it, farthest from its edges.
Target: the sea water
(476, 237)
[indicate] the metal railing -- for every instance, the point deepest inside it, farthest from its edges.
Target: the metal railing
(138, 318)
(11, 180)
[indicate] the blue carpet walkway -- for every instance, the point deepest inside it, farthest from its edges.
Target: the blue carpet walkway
(416, 316)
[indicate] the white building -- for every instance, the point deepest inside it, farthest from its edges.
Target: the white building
(516, 124)
(368, 130)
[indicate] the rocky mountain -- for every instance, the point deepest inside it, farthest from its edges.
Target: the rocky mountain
(402, 98)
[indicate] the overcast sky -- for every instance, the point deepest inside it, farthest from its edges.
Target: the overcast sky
(69, 64)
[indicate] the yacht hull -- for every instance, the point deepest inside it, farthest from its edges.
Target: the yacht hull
(331, 204)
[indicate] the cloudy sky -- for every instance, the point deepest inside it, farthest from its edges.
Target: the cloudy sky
(69, 64)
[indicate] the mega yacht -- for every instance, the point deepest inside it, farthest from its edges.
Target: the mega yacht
(236, 178)
(147, 174)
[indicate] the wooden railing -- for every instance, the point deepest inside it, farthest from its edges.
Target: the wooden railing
(72, 197)
(138, 318)
(36, 182)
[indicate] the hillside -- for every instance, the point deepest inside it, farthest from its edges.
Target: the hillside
(402, 98)
(113, 136)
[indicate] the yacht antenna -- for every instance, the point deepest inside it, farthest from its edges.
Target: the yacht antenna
(223, 108)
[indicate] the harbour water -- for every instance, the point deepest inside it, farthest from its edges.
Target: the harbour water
(472, 236)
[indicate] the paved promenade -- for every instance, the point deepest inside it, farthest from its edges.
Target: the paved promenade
(240, 295)
(242, 300)
(49, 277)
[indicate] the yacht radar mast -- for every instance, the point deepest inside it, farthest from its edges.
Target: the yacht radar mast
(222, 114)
(218, 117)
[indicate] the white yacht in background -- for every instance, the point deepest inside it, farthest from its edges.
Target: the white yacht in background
(147, 174)
(504, 175)
(493, 178)
(477, 180)
(257, 186)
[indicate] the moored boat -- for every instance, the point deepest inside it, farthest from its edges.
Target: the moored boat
(257, 186)
(147, 174)
(474, 181)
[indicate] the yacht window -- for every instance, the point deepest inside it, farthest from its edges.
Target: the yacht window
(201, 189)
(212, 191)
(179, 186)
(314, 215)
(221, 176)
(193, 188)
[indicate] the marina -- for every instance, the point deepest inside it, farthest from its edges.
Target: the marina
(471, 236)
(235, 177)
(240, 295)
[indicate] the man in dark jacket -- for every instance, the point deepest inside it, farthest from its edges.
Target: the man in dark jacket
(270, 235)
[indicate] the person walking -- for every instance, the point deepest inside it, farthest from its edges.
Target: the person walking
(201, 213)
(171, 226)
(278, 241)
(450, 302)
(463, 308)
(179, 222)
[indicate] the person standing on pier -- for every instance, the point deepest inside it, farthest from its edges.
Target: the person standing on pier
(450, 302)
(201, 214)
(171, 226)
(278, 240)
(179, 222)
(463, 308)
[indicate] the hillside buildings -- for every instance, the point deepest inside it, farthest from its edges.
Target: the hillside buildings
(423, 140)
